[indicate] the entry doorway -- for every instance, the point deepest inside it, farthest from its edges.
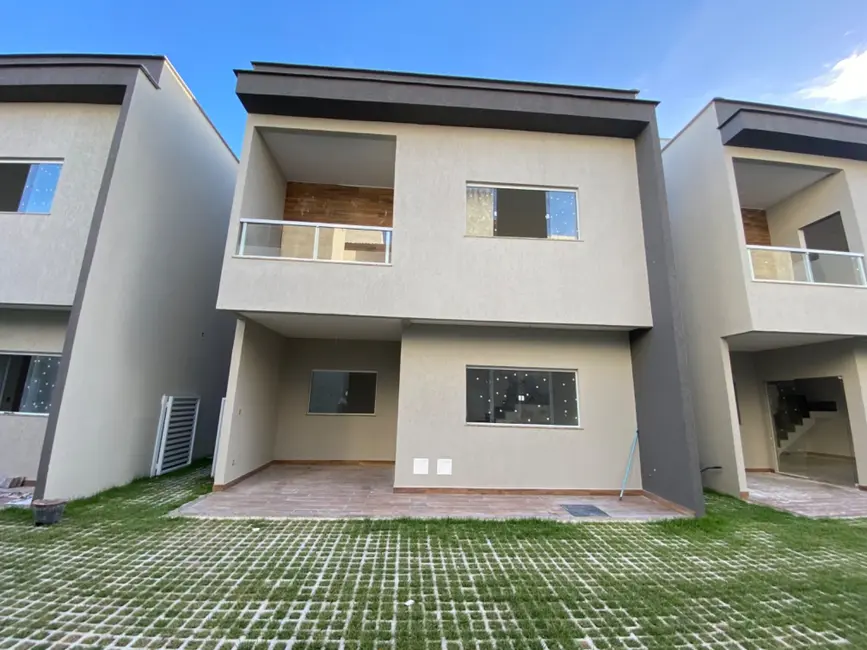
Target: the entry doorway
(811, 429)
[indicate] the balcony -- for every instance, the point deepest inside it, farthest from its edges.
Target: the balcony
(809, 266)
(321, 242)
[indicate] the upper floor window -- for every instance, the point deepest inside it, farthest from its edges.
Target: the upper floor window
(28, 186)
(521, 212)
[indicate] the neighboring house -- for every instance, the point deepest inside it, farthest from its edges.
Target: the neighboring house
(115, 193)
(468, 278)
(769, 213)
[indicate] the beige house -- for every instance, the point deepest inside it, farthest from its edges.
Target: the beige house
(769, 213)
(467, 279)
(115, 192)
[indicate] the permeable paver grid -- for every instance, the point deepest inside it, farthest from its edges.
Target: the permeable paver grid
(127, 582)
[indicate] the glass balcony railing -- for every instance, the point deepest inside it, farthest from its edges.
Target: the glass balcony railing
(326, 242)
(778, 264)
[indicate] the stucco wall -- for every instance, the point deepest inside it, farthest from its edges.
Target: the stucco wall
(20, 444)
(708, 239)
(41, 254)
(32, 330)
(337, 437)
(432, 411)
(252, 399)
(756, 436)
(147, 324)
(440, 273)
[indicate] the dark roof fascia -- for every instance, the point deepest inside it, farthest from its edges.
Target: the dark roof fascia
(390, 97)
(792, 130)
(73, 79)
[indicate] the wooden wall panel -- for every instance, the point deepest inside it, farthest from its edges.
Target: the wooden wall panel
(756, 227)
(359, 206)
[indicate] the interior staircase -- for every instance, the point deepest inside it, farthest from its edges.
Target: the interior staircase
(796, 416)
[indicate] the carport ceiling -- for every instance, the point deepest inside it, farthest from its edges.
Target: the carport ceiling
(315, 326)
(328, 157)
(757, 341)
(762, 184)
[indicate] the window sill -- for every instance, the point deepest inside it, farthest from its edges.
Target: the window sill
(345, 415)
(567, 240)
(511, 425)
(19, 214)
(27, 415)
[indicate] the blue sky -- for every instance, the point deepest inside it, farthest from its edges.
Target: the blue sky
(810, 53)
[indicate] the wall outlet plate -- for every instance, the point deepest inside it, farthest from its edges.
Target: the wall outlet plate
(419, 465)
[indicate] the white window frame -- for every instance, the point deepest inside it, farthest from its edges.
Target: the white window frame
(34, 161)
(366, 372)
(9, 353)
(519, 425)
(537, 188)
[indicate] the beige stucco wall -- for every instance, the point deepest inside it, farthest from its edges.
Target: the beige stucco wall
(440, 273)
(432, 411)
(337, 437)
(32, 330)
(708, 239)
(252, 402)
(147, 324)
(756, 434)
(41, 254)
(21, 439)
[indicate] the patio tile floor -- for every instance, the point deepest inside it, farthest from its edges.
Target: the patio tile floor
(336, 492)
(805, 497)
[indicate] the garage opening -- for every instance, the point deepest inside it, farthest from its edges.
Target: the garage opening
(811, 429)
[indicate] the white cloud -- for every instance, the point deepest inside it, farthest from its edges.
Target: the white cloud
(843, 88)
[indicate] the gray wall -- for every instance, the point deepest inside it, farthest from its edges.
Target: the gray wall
(337, 437)
(21, 439)
(146, 324)
(252, 398)
(440, 273)
(432, 411)
(41, 254)
(666, 420)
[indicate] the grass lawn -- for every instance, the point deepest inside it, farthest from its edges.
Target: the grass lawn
(117, 573)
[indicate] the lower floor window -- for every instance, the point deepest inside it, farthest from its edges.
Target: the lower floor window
(27, 382)
(519, 396)
(342, 392)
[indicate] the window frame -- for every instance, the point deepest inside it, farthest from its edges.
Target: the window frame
(9, 353)
(366, 372)
(576, 426)
(31, 162)
(537, 188)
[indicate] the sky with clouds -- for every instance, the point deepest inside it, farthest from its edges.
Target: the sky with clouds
(808, 53)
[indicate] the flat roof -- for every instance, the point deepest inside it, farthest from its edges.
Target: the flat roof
(372, 95)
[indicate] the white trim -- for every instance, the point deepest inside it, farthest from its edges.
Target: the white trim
(507, 186)
(28, 414)
(789, 249)
(524, 426)
(3, 212)
(365, 372)
(31, 354)
(308, 259)
(812, 284)
(31, 161)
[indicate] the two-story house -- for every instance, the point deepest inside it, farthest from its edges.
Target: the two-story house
(115, 194)
(769, 213)
(470, 279)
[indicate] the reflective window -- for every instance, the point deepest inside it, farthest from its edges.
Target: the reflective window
(518, 396)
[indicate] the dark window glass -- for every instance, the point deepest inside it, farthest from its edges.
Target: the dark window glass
(27, 382)
(28, 187)
(336, 391)
(536, 397)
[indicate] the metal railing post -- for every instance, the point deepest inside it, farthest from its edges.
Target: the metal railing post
(243, 243)
(316, 243)
(387, 247)
(861, 275)
(808, 267)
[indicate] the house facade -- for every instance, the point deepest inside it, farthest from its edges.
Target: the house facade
(769, 219)
(469, 279)
(115, 193)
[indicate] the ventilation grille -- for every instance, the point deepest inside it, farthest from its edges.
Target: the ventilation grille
(176, 434)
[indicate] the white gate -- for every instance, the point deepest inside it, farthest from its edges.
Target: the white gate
(176, 434)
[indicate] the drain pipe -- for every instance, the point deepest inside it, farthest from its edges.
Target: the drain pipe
(628, 466)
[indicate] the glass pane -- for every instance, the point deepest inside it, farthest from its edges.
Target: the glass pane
(265, 240)
(481, 203)
(353, 245)
(564, 398)
(507, 387)
(334, 391)
(39, 385)
(479, 404)
(836, 269)
(778, 265)
(535, 398)
(562, 215)
(39, 189)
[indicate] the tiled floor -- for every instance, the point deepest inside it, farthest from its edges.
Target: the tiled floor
(829, 469)
(19, 496)
(333, 492)
(808, 498)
